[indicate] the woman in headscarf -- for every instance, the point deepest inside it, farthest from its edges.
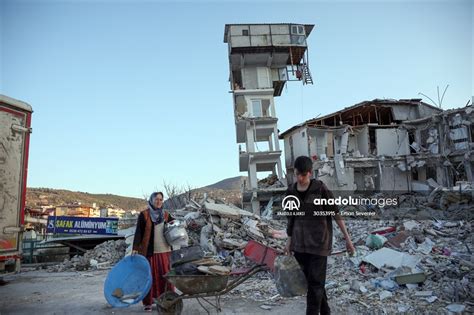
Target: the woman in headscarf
(150, 242)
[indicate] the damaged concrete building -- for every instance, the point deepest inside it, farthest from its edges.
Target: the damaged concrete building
(262, 58)
(386, 145)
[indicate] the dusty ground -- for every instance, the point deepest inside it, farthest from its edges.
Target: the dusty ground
(41, 292)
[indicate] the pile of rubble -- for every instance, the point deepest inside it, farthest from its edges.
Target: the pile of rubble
(271, 181)
(414, 263)
(413, 257)
(223, 229)
(102, 256)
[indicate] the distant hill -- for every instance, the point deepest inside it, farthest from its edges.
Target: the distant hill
(227, 190)
(233, 183)
(46, 196)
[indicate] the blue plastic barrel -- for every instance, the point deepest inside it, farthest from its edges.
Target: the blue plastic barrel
(132, 275)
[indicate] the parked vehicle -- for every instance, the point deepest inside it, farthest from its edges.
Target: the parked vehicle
(15, 129)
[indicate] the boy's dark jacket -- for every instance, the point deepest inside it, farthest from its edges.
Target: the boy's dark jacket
(311, 234)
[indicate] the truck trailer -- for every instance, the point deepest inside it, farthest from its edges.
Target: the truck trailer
(15, 129)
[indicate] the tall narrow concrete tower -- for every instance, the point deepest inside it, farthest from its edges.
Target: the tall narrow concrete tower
(262, 58)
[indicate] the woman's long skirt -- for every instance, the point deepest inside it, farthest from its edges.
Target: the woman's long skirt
(160, 265)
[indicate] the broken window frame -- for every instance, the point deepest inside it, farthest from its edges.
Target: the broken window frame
(252, 102)
(265, 106)
(297, 34)
(296, 29)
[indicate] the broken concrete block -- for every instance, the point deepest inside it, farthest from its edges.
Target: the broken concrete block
(431, 299)
(232, 243)
(391, 258)
(355, 285)
(252, 229)
(418, 277)
(216, 228)
(255, 233)
(410, 225)
(403, 308)
(250, 223)
(456, 308)
(426, 247)
(424, 293)
(93, 263)
(225, 211)
(411, 286)
(385, 294)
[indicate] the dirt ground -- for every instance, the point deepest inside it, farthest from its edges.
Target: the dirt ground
(41, 292)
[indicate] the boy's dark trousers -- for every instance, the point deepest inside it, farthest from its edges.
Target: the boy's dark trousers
(314, 268)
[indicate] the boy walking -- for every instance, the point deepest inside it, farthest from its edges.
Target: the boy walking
(310, 235)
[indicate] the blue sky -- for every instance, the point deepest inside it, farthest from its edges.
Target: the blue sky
(129, 94)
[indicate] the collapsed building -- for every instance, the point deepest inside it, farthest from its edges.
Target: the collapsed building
(386, 145)
(262, 58)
